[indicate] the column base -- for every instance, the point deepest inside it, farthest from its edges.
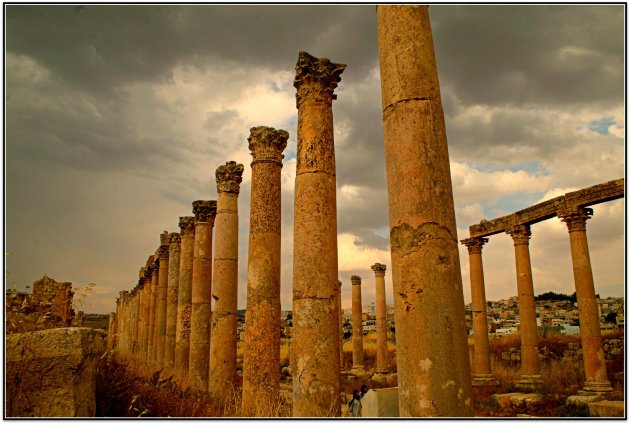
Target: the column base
(592, 386)
(529, 383)
(484, 385)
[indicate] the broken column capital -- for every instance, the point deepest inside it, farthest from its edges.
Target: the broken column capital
(174, 241)
(379, 269)
(267, 144)
(475, 244)
(205, 210)
(575, 218)
(316, 78)
(162, 252)
(356, 280)
(229, 177)
(520, 234)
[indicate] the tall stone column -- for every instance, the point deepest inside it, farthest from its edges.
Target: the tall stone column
(174, 250)
(431, 343)
(184, 298)
(120, 329)
(482, 373)
(153, 327)
(225, 280)
(340, 330)
(261, 379)
(382, 354)
(590, 333)
(161, 305)
(315, 276)
(530, 363)
(152, 342)
(135, 306)
(140, 321)
(146, 311)
(358, 366)
(205, 211)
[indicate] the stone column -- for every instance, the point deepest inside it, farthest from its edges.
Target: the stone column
(315, 277)
(174, 249)
(358, 366)
(431, 342)
(590, 333)
(482, 373)
(136, 322)
(153, 335)
(340, 330)
(225, 281)
(382, 354)
(530, 363)
(146, 311)
(205, 211)
(161, 304)
(184, 298)
(120, 329)
(261, 379)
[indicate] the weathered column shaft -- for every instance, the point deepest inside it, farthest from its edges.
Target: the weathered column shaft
(136, 323)
(225, 280)
(162, 306)
(357, 325)
(184, 298)
(201, 315)
(340, 329)
(382, 354)
(151, 341)
(431, 343)
(146, 309)
(261, 359)
(530, 364)
(590, 333)
(171, 299)
(481, 365)
(111, 330)
(315, 365)
(120, 328)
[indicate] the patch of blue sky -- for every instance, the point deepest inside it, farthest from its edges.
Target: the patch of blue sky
(601, 126)
(509, 204)
(382, 231)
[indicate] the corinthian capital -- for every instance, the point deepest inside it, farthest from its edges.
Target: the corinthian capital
(229, 177)
(174, 241)
(162, 252)
(474, 244)
(356, 280)
(187, 225)
(204, 210)
(316, 77)
(520, 234)
(267, 144)
(575, 218)
(379, 269)
(164, 237)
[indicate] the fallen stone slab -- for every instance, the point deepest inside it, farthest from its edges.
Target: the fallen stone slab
(577, 400)
(524, 399)
(504, 400)
(606, 408)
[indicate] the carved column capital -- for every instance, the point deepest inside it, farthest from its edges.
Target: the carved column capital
(379, 269)
(316, 78)
(520, 234)
(204, 210)
(174, 241)
(162, 252)
(575, 218)
(229, 177)
(356, 280)
(164, 237)
(187, 226)
(267, 144)
(475, 244)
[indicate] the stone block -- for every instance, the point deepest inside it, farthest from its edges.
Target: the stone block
(504, 400)
(578, 400)
(606, 408)
(523, 399)
(381, 403)
(51, 373)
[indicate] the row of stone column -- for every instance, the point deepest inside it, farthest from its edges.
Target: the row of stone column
(593, 353)
(164, 322)
(433, 370)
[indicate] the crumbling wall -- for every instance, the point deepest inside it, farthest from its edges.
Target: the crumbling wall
(51, 373)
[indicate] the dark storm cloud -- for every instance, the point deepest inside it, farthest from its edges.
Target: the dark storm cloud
(530, 54)
(101, 47)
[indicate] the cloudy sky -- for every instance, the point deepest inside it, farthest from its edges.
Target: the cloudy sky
(118, 116)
